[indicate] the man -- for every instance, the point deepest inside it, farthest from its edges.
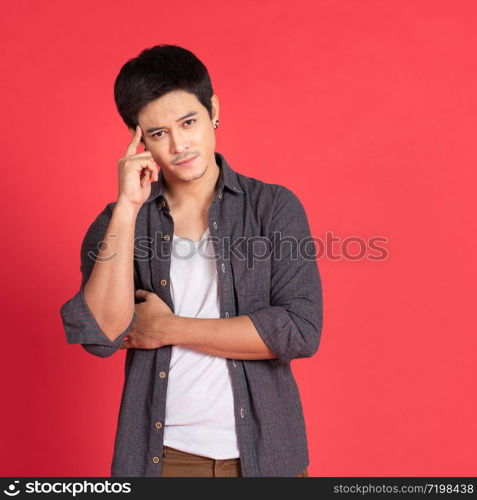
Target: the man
(226, 292)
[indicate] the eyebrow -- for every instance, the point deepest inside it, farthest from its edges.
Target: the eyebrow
(191, 113)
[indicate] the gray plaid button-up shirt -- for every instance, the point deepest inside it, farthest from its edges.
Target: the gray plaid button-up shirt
(267, 269)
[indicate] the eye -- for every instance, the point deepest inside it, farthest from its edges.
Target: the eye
(190, 120)
(160, 131)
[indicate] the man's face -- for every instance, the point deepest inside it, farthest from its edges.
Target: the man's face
(176, 127)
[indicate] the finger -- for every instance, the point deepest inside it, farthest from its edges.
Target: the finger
(152, 166)
(147, 167)
(145, 177)
(141, 294)
(136, 139)
(153, 175)
(143, 154)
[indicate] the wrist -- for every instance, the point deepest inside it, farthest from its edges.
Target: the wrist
(173, 330)
(127, 208)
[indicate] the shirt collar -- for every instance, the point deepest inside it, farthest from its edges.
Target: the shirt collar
(227, 178)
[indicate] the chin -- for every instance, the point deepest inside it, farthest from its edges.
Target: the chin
(188, 173)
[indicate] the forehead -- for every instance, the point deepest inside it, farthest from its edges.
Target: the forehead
(170, 107)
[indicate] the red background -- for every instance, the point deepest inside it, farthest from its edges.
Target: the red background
(365, 109)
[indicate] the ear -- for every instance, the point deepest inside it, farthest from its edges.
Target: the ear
(214, 101)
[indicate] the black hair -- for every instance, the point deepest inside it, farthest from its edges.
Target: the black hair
(156, 71)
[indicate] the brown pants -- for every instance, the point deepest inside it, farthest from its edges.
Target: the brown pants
(176, 463)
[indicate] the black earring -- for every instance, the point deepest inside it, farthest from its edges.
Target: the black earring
(216, 124)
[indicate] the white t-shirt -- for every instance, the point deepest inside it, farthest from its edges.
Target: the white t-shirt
(199, 401)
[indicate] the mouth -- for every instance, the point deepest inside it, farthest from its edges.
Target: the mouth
(188, 161)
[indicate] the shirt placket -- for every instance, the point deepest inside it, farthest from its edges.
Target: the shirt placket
(245, 441)
(163, 227)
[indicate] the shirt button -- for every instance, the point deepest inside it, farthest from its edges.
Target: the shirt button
(162, 204)
(162, 374)
(158, 425)
(219, 195)
(223, 267)
(166, 237)
(233, 362)
(163, 282)
(215, 225)
(155, 460)
(241, 412)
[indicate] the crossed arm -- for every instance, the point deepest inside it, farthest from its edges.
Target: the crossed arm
(235, 338)
(156, 326)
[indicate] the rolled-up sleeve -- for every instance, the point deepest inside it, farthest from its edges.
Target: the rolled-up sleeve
(291, 326)
(79, 324)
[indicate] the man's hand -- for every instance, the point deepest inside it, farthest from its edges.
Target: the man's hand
(136, 171)
(154, 318)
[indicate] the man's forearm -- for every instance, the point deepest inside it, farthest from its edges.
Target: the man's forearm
(235, 338)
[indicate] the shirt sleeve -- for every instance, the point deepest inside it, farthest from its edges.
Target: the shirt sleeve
(291, 326)
(79, 324)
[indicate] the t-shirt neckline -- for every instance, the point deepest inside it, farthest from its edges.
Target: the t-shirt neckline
(195, 242)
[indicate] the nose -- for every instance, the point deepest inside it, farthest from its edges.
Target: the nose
(177, 142)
